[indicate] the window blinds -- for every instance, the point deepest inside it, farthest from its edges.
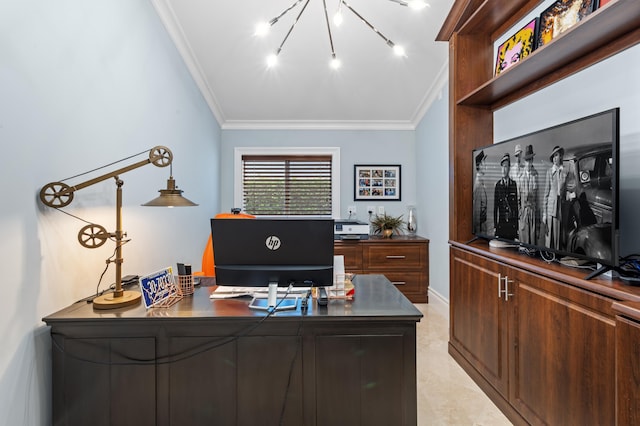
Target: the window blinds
(291, 185)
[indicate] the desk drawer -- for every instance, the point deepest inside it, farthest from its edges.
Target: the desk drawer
(384, 257)
(407, 282)
(352, 253)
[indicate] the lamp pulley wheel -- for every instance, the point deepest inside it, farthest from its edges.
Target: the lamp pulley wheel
(56, 194)
(160, 156)
(92, 236)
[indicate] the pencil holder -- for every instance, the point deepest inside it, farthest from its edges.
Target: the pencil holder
(185, 282)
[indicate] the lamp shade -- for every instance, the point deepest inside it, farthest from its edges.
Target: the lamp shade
(170, 197)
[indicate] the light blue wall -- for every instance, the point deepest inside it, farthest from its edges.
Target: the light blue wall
(432, 183)
(356, 147)
(83, 84)
(608, 84)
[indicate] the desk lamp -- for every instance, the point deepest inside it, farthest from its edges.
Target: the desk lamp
(59, 194)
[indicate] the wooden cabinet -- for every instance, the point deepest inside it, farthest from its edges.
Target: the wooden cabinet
(543, 349)
(478, 321)
(562, 357)
(545, 354)
(403, 259)
(627, 363)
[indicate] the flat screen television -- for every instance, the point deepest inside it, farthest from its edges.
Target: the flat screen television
(273, 253)
(554, 190)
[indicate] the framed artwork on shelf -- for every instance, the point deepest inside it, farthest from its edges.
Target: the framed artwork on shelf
(602, 3)
(560, 16)
(517, 47)
(377, 182)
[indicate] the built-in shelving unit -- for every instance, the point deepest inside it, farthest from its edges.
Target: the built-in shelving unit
(537, 338)
(602, 34)
(476, 93)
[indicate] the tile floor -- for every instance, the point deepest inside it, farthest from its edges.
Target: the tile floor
(446, 394)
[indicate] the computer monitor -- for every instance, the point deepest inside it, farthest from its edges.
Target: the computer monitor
(273, 253)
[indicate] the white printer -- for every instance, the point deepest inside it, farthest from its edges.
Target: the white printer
(350, 230)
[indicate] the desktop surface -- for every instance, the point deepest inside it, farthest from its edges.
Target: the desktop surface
(374, 297)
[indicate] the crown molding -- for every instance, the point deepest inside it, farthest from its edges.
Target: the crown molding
(176, 33)
(434, 93)
(317, 125)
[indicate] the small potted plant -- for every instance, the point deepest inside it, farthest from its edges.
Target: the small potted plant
(387, 225)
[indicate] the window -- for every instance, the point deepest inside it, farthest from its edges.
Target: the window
(287, 181)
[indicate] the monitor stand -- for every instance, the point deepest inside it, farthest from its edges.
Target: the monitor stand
(272, 303)
(472, 240)
(502, 244)
(601, 269)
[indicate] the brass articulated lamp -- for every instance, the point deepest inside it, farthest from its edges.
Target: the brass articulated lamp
(59, 194)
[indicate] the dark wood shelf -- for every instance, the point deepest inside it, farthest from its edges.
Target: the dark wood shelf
(492, 15)
(602, 34)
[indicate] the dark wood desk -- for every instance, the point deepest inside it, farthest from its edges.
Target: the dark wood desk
(205, 362)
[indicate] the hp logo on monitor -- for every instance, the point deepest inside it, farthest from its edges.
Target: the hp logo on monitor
(272, 242)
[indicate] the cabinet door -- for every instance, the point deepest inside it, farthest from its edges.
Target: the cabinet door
(478, 323)
(372, 386)
(253, 380)
(628, 370)
(199, 391)
(90, 374)
(562, 362)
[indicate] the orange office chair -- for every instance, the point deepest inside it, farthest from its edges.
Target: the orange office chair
(208, 267)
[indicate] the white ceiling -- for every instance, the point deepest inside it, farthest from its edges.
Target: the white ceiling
(373, 88)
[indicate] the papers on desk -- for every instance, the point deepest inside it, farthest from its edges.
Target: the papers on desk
(229, 292)
(224, 292)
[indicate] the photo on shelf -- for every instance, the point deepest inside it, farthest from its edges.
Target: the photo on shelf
(517, 47)
(561, 16)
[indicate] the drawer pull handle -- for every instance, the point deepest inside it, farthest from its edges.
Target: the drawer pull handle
(396, 257)
(398, 282)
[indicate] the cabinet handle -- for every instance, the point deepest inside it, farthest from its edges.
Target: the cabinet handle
(506, 289)
(398, 282)
(396, 257)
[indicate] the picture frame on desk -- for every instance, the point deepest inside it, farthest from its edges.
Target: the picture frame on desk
(377, 182)
(560, 16)
(517, 47)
